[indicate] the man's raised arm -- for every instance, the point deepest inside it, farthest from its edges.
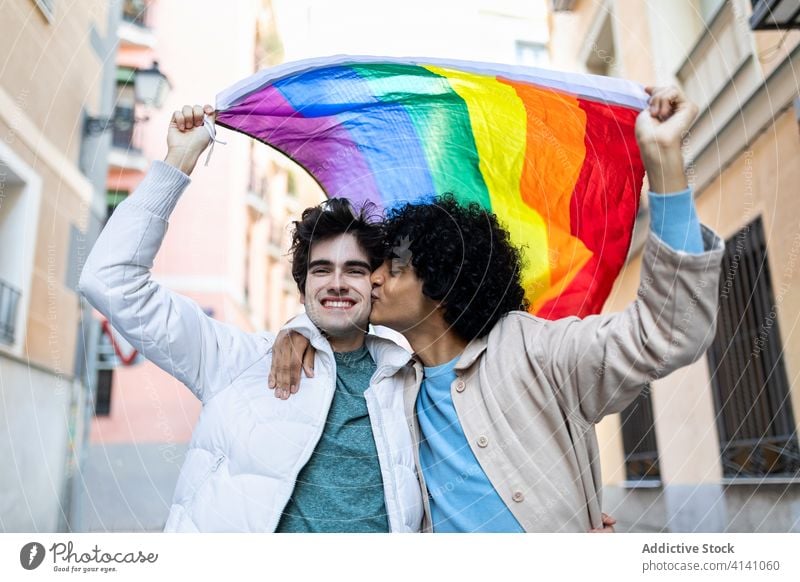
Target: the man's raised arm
(601, 363)
(166, 328)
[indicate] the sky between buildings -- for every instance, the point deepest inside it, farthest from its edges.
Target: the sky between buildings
(507, 31)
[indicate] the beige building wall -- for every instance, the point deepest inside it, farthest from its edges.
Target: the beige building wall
(742, 160)
(763, 180)
(49, 74)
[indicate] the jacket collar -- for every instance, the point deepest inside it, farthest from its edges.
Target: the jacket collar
(389, 357)
(304, 326)
(471, 353)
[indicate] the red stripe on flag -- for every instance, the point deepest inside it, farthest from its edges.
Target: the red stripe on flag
(603, 207)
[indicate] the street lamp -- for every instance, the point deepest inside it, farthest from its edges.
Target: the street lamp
(151, 87)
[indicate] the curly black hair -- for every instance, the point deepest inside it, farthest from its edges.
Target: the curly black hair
(464, 258)
(333, 217)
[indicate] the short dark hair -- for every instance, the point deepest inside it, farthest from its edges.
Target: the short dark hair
(464, 258)
(330, 219)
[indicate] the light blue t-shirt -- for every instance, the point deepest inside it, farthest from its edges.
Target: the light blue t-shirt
(461, 497)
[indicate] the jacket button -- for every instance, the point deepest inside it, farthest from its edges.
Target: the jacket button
(460, 386)
(518, 496)
(483, 442)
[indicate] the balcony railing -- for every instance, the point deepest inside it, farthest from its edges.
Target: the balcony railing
(9, 300)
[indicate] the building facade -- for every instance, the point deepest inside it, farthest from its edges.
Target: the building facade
(226, 247)
(50, 80)
(714, 446)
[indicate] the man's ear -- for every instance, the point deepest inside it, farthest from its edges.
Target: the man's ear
(302, 298)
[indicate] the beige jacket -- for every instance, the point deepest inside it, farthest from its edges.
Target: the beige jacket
(530, 392)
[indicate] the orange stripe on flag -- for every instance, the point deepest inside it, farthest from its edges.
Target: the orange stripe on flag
(555, 152)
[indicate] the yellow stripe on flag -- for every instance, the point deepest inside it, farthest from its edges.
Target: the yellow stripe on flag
(499, 122)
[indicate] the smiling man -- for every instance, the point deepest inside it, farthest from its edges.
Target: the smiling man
(333, 273)
(338, 457)
(341, 487)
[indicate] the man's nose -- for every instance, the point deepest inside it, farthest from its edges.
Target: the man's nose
(377, 277)
(338, 283)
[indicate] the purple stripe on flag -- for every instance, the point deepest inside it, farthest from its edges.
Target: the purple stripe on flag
(321, 145)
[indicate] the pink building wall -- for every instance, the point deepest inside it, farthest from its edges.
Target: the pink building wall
(202, 48)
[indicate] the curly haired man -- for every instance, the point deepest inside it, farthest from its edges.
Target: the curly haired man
(503, 404)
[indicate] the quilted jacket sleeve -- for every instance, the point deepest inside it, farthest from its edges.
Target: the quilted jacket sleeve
(168, 329)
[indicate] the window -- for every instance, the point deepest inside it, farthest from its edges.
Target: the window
(757, 432)
(20, 195)
(601, 58)
(11, 211)
(291, 185)
(708, 9)
(718, 49)
(639, 440)
(112, 351)
(102, 402)
(124, 112)
(135, 12)
(78, 251)
(276, 232)
(9, 299)
(113, 199)
(48, 8)
(532, 54)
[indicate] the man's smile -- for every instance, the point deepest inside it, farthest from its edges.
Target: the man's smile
(337, 303)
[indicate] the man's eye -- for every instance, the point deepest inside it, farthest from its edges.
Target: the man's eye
(358, 272)
(320, 271)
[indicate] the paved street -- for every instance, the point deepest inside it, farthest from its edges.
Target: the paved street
(128, 487)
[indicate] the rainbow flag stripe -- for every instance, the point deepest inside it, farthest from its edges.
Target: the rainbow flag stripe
(552, 154)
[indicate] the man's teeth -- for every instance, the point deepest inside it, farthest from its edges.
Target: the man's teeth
(337, 304)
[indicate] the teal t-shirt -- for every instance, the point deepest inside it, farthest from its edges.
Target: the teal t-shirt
(340, 489)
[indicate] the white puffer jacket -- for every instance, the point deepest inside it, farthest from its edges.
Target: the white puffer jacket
(248, 446)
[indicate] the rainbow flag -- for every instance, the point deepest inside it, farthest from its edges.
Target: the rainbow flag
(552, 154)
